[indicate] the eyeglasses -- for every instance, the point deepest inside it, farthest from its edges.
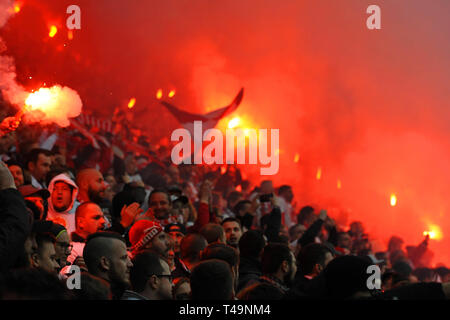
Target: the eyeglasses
(65, 246)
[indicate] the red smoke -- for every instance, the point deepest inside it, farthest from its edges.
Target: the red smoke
(370, 108)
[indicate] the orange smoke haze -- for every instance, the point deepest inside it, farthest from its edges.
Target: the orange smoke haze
(369, 108)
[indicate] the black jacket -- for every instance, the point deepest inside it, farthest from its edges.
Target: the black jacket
(15, 226)
(249, 269)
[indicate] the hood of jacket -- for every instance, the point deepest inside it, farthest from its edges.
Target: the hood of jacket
(62, 177)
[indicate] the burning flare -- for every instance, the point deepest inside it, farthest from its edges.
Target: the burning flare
(434, 232)
(53, 31)
(233, 123)
(171, 94)
(159, 94)
(319, 173)
(132, 103)
(393, 200)
(56, 104)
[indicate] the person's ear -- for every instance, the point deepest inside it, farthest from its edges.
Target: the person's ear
(318, 268)
(153, 282)
(34, 260)
(105, 264)
(285, 266)
(31, 166)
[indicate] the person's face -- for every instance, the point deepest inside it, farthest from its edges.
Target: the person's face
(131, 165)
(120, 264)
(176, 239)
(345, 241)
(63, 249)
(160, 205)
(42, 166)
(161, 244)
(46, 258)
(266, 187)
(61, 196)
(233, 232)
(96, 187)
(245, 209)
(17, 173)
(356, 228)
(93, 220)
(288, 195)
(165, 282)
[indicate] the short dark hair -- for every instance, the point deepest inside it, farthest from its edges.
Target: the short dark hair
(42, 238)
(231, 219)
(273, 256)
(191, 246)
(96, 247)
(159, 191)
(33, 283)
(251, 243)
(212, 280)
(33, 155)
(93, 288)
(212, 232)
(261, 291)
(284, 188)
(221, 251)
(305, 213)
(145, 264)
(310, 255)
(240, 205)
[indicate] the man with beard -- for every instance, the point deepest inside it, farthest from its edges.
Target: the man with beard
(160, 208)
(62, 204)
(106, 257)
(150, 278)
(278, 266)
(233, 231)
(149, 235)
(91, 186)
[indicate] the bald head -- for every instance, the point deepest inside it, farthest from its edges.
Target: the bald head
(89, 219)
(91, 185)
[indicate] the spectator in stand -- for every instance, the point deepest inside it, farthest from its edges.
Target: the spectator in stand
(245, 211)
(213, 232)
(160, 208)
(286, 196)
(177, 232)
(251, 247)
(89, 219)
(63, 204)
(17, 172)
(306, 216)
(106, 257)
(279, 266)
(149, 235)
(91, 186)
(212, 280)
(226, 253)
(38, 163)
(344, 243)
(190, 248)
(150, 278)
(233, 231)
(36, 200)
(312, 260)
(15, 223)
(45, 256)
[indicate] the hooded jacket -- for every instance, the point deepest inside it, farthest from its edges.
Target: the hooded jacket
(69, 214)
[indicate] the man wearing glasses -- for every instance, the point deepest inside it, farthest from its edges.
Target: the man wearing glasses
(150, 278)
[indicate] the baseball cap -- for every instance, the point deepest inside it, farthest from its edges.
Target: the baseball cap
(175, 227)
(28, 190)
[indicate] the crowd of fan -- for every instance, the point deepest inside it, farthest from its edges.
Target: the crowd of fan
(183, 232)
